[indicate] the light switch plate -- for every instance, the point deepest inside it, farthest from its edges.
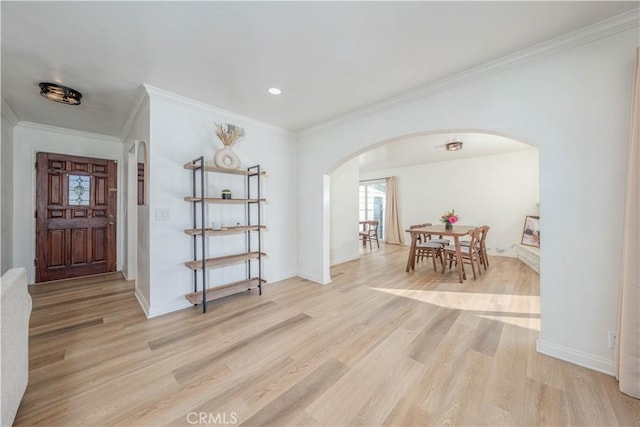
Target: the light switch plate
(162, 214)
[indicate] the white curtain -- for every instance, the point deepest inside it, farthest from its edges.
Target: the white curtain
(628, 342)
(392, 226)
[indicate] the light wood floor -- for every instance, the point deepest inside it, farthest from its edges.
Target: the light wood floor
(378, 346)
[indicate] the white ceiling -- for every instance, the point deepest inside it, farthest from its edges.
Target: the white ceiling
(329, 58)
(431, 148)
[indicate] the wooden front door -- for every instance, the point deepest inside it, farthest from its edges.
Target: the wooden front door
(75, 216)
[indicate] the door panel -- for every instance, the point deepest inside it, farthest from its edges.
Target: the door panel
(57, 246)
(99, 244)
(76, 216)
(79, 246)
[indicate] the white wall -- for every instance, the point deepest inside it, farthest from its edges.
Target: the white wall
(28, 140)
(136, 256)
(6, 199)
(182, 130)
(498, 191)
(344, 212)
(574, 105)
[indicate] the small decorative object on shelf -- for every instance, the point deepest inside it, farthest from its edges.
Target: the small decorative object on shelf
(226, 194)
(449, 218)
(225, 157)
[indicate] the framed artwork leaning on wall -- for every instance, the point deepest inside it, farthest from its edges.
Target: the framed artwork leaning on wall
(531, 231)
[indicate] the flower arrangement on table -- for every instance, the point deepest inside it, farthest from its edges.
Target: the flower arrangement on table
(449, 218)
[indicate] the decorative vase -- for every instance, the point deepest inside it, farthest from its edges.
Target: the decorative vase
(448, 226)
(225, 158)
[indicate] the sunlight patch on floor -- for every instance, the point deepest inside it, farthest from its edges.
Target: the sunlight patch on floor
(523, 322)
(517, 310)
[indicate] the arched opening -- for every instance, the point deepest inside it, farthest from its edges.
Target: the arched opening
(493, 180)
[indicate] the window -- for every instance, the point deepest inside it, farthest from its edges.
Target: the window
(79, 190)
(373, 200)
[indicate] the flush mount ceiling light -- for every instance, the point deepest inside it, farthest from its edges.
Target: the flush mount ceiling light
(454, 146)
(274, 91)
(59, 93)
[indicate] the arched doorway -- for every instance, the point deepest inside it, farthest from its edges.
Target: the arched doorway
(493, 179)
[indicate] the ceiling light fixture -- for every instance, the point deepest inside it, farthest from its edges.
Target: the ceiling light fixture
(454, 146)
(274, 91)
(59, 93)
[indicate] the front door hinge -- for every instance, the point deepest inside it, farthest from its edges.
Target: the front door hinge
(35, 214)
(36, 165)
(35, 262)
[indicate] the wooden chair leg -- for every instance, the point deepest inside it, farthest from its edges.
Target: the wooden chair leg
(479, 262)
(473, 265)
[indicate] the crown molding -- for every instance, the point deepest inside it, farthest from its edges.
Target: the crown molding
(154, 91)
(134, 112)
(8, 113)
(73, 132)
(567, 41)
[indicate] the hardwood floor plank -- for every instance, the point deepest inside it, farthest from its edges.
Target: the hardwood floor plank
(425, 344)
(193, 368)
(585, 398)
(488, 337)
(377, 346)
(36, 362)
(370, 390)
(407, 413)
(60, 330)
(253, 312)
(289, 405)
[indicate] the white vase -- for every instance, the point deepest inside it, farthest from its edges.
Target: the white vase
(225, 158)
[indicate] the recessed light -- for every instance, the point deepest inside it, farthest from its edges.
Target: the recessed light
(274, 91)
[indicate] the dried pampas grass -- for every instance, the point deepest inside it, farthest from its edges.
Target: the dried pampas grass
(228, 134)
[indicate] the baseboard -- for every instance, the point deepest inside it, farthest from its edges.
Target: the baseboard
(313, 279)
(576, 357)
(508, 252)
(168, 308)
(142, 301)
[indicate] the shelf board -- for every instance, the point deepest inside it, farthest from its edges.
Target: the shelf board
(224, 231)
(209, 168)
(223, 260)
(224, 290)
(222, 201)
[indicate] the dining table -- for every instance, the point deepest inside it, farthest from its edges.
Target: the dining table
(456, 231)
